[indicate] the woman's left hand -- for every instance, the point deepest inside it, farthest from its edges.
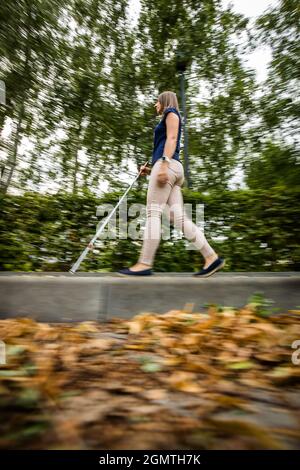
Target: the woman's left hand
(162, 177)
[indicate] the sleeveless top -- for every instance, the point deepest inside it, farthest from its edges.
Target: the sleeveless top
(160, 137)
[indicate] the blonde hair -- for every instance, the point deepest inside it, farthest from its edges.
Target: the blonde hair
(168, 99)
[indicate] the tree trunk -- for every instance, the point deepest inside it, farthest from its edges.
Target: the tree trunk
(9, 167)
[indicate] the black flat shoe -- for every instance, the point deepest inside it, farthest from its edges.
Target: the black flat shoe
(212, 268)
(128, 272)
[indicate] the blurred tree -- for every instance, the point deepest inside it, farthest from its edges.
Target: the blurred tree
(92, 90)
(274, 156)
(28, 47)
(63, 91)
(82, 82)
(280, 106)
(275, 166)
(219, 88)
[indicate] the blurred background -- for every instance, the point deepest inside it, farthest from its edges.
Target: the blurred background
(78, 85)
(79, 81)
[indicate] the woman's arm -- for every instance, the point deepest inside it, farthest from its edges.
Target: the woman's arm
(172, 125)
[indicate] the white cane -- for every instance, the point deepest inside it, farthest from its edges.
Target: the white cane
(91, 243)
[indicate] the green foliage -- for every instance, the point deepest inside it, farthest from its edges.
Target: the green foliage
(279, 28)
(81, 84)
(255, 230)
(277, 166)
(262, 305)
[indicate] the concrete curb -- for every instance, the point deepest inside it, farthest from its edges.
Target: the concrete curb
(64, 297)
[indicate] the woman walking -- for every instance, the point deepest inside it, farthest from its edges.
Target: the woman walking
(164, 191)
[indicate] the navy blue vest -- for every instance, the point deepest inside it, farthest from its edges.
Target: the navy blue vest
(160, 137)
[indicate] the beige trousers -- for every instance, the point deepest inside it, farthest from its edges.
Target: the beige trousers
(168, 198)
